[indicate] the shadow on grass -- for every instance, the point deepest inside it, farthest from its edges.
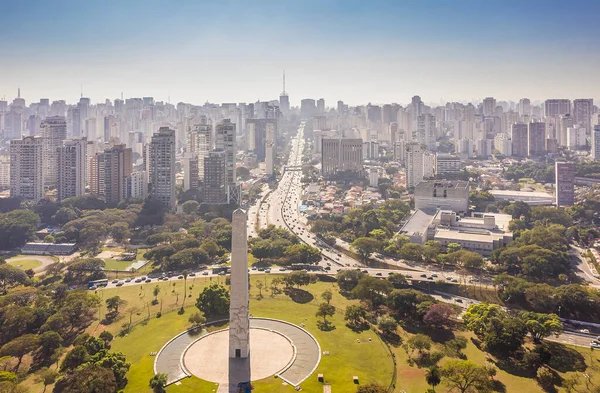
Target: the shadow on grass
(498, 386)
(392, 338)
(564, 359)
(325, 326)
(299, 295)
(358, 327)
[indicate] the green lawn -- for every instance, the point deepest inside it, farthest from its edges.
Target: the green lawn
(115, 264)
(25, 264)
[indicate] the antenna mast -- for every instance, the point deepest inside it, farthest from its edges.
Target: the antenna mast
(283, 81)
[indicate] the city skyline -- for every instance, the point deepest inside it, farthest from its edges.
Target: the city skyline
(356, 52)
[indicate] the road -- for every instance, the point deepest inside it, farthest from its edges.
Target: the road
(581, 267)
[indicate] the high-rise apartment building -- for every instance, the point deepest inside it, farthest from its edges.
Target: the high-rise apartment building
(190, 171)
(270, 148)
(4, 172)
(596, 143)
(199, 142)
(54, 131)
(225, 140)
(524, 107)
(565, 183)
(426, 131)
(519, 137)
(489, 106)
(26, 168)
(414, 164)
(109, 171)
(137, 185)
(321, 105)
(582, 112)
(557, 107)
(214, 190)
(342, 156)
(308, 108)
(162, 161)
(536, 139)
(72, 165)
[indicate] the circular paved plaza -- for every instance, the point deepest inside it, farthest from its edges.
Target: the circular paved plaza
(208, 357)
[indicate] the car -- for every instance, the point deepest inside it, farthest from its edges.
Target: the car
(114, 281)
(253, 267)
(138, 280)
(586, 331)
(434, 275)
(365, 271)
(192, 274)
(128, 280)
(221, 273)
(449, 278)
(378, 274)
(458, 300)
(93, 288)
(282, 269)
(454, 280)
(595, 344)
(180, 277)
(408, 275)
(261, 269)
(430, 278)
(120, 284)
(327, 268)
(148, 280)
(423, 275)
(143, 278)
(205, 273)
(267, 270)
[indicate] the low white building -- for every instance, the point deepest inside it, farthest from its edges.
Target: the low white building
(534, 198)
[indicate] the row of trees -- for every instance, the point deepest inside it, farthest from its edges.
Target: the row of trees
(281, 246)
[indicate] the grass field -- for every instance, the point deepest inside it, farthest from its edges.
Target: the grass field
(25, 264)
(370, 361)
(115, 264)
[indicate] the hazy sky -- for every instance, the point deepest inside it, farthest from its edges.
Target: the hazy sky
(356, 51)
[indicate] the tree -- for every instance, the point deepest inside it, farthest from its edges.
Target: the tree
(94, 345)
(10, 275)
(433, 376)
(398, 280)
(325, 310)
(371, 388)
(259, 285)
(327, 296)
(197, 319)
(298, 278)
(302, 253)
(262, 249)
(75, 358)
(46, 376)
(455, 346)
(190, 207)
(465, 376)
(373, 290)
(50, 341)
(158, 382)
(116, 362)
(17, 227)
(348, 279)
(412, 252)
(155, 293)
(119, 231)
(541, 325)
(213, 300)
(420, 343)
(20, 347)
(243, 173)
(113, 304)
(364, 246)
(545, 378)
(439, 314)
(89, 378)
(387, 324)
(354, 314)
(453, 247)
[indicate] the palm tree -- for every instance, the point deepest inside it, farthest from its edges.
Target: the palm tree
(433, 377)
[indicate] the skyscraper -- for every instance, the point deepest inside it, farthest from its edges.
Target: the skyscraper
(519, 137)
(524, 107)
(536, 139)
(556, 107)
(214, 190)
(414, 164)
(341, 156)
(109, 171)
(72, 165)
(320, 105)
(582, 112)
(284, 100)
(225, 140)
(54, 131)
(489, 106)
(565, 183)
(26, 168)
(426, 131)
(162, 161)
(200, 142)
(596, 143)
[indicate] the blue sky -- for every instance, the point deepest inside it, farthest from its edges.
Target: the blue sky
(358, 51)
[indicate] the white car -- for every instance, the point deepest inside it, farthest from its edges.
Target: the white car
(586, 331)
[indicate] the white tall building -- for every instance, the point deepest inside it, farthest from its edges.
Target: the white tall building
(54, 131)
(426, 131)
(596, 143)
(137, 185)
(26, 168)
(199, 141)
(428, 165)
(162, 162)
(270, 148)
(4, 172)
(72, 165)
(576, 137)
(414, 164)
(503, 144)
(225, 140)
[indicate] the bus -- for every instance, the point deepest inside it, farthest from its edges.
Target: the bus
(98, 283)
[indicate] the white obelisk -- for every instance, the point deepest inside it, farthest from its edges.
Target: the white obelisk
(239, 320)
